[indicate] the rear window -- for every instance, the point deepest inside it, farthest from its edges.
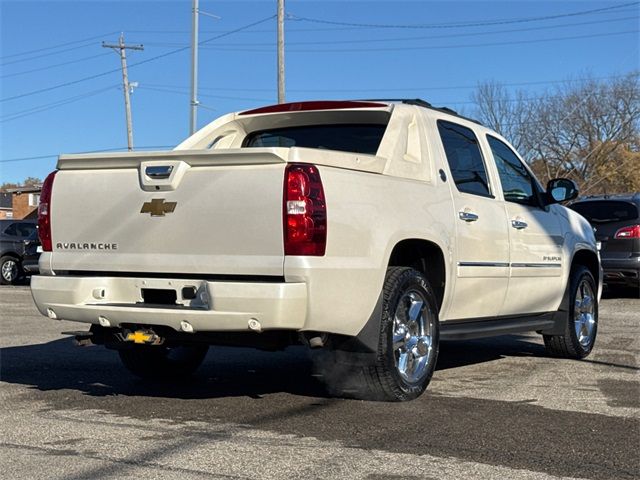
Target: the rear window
(21, 229)
(356, 138)
(608, 211)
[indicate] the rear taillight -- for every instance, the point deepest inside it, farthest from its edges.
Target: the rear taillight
(304, 211)
(44, 213)
(632, 231)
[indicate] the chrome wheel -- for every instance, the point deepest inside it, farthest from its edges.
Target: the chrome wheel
(10, 270)
(584, 317)
(576, 328)
(413, 329)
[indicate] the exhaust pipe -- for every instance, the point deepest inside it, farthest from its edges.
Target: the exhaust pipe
(314, 339)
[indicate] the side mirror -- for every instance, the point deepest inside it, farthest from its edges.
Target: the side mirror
(561, 190)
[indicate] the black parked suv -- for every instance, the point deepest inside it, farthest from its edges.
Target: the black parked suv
(616, 219)
(16, 238)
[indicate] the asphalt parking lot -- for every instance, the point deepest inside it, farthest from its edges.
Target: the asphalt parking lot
(496, 408)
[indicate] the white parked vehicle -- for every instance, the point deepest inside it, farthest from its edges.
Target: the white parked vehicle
(370, 229)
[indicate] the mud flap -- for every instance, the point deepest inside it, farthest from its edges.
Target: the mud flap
(363, 347)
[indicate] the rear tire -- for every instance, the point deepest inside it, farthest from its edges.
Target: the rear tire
(405, 360)
(581, 324)
(163, 363)
(10, 270)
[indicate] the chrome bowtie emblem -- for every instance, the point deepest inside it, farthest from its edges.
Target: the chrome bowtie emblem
(158, 207)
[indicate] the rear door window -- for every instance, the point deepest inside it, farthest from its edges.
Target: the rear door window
(606, 211)
(464, 158)
(356, 138)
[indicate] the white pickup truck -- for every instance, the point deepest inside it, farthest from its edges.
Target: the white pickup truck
(369, 229)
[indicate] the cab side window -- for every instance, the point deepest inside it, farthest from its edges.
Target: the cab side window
(26, 229)
(518, 185)
(464, 158)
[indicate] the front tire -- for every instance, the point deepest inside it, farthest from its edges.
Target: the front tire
(10, 270)
(581, 325)
(163, 363)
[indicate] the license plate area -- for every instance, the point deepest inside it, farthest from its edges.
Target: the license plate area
(159, 296)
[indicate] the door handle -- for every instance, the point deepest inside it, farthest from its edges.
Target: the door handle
(467, 216)
(158, 172)
(519, 224)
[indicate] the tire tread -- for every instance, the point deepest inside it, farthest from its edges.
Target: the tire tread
(566, 345)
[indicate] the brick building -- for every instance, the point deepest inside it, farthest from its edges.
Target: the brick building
(25, 201)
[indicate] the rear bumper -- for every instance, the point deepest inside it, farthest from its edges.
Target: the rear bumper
(624, 271)
(218, 306)
(30, 266)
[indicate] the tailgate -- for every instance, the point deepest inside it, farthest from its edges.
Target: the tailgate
(173, 212)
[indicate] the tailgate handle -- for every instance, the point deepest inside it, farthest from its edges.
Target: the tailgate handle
(158, 172)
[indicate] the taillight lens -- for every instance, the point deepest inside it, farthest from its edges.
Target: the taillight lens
(628, 232)
(44, 213)
(304, 211)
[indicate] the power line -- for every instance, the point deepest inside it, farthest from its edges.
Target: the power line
(180, 91)
(55, 155)
(66, 84)
(479, 45)
(513, 100)
(319, 29)
(53, 47)
(20, 60)
(403, 39)
(429, 47)
(464, 24)
(148, 85)
(142, 62)
(385, 89)
(49, 106)
(222, 97)
(177, 32)
(91, 57)
(27, 158)
(207, 107)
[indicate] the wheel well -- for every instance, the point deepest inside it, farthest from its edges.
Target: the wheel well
(10, 254)
(425, 257)
(589, 260)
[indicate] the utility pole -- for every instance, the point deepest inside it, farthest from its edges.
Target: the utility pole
(194, 68)
(121, 49)
(280, 51)
(195, 16)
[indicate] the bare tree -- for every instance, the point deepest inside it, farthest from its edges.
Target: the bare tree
(505, 113)
(588, 130)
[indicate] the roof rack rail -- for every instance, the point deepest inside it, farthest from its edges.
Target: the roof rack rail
(423, 103)
(417, 101)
